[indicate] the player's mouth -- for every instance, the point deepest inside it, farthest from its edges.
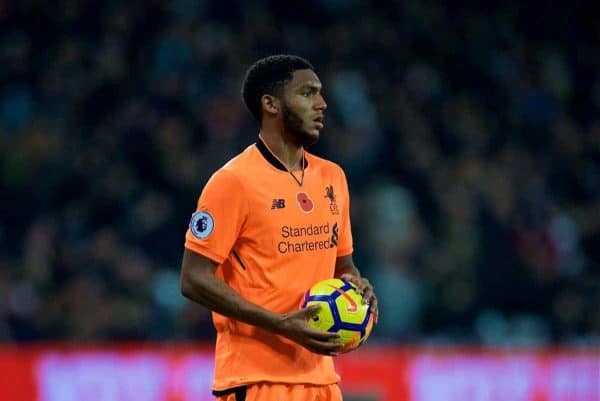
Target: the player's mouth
(318, 122)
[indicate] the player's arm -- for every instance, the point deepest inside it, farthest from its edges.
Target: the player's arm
(345, 265)
(347, 270)
(199, 284)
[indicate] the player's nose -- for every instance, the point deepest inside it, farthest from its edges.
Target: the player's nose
(320, 103)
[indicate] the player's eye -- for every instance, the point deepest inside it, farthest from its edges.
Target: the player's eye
(309, 92)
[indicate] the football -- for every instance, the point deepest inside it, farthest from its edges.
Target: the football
(342, 311)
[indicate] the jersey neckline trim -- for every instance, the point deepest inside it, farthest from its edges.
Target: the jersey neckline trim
(270, 157)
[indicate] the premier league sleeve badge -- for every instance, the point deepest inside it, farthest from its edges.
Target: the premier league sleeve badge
(201, 224)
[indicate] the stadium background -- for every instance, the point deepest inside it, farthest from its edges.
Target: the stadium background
(469, 133)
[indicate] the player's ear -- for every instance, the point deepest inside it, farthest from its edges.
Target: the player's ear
(270, 104)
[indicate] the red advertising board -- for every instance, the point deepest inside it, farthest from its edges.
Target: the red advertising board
(184, 373)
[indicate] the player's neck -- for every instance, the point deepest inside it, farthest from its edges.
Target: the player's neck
(286, 151)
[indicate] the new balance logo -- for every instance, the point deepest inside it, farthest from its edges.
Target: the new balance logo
(278, 204)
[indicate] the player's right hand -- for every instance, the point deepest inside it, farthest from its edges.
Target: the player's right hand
(295, 327)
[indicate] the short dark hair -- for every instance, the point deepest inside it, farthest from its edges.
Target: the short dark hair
(267, 76)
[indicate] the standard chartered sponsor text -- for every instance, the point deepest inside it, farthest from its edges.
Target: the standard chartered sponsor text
(290, 232)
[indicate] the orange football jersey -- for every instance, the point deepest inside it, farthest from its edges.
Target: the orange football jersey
(273, 239)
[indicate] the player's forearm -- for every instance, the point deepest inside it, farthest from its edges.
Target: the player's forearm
(347, 270)
(345, 265)
(199, 284)
(217, 296)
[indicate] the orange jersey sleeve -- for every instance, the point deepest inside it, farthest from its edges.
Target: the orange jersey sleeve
(220, 214)
(345, 246)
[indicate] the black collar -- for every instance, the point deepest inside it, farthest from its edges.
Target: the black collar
(270, 157)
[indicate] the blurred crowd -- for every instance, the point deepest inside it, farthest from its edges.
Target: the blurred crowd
(470, 137)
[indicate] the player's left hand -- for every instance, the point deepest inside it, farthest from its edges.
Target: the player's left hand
(365, 288)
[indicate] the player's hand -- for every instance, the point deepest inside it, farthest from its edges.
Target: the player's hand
(366, 290)
(295, 327)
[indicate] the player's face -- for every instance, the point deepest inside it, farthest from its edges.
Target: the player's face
(303, 107)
